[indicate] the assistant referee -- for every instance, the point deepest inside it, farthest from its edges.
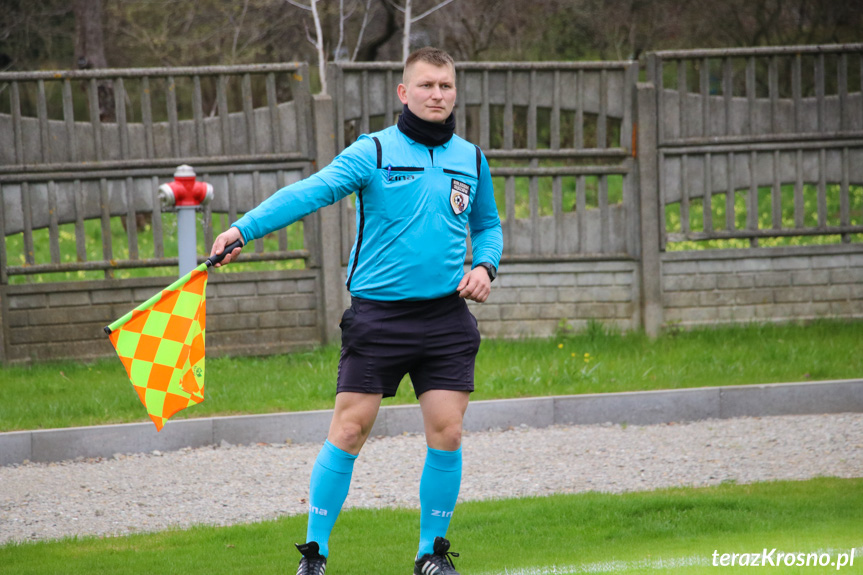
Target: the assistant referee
(419, 189)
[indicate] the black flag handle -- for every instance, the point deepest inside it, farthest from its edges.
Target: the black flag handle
(213, 260)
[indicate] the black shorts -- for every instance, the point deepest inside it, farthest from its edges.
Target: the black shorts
(434, 341)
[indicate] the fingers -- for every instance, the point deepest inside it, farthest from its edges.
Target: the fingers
(223, 240)
(475, 286)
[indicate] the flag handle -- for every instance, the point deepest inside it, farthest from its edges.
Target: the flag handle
(216, 259)
(210, 262)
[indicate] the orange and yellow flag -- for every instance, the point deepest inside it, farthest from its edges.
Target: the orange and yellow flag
(161, 344)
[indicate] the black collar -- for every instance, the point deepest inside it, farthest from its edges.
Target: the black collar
(425, 132)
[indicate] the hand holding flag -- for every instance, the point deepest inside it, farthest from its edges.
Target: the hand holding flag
(161, 343)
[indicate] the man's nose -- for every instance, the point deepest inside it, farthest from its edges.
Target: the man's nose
(437, 94)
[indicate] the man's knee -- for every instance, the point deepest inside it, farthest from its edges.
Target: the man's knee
(445, 437)
(349, 433)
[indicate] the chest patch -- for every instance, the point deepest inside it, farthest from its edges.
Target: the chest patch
(459, 196)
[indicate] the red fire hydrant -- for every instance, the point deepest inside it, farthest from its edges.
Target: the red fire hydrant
(186, 193)
(185, 190)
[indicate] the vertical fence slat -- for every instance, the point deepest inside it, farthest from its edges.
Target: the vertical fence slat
(257, 198)
(232, 197)
(663, 223)
(105, 218)
(684, 194)
(659, 81)
(485, 115)
(534, 215)
(797, 91)
(799, 201)
(844, 203)
(627, 104)
(120, 110)
(131, 218)
(509, 199)
(730, 192)
(682, 90)
(249, 114)
(531, 112)
(707, 200)
(704, 86)
(275, 118)
(507, 113)
(42, 114)
(776, 193)
(283, 233)
(158, 234)
(340, 113)
(602, 119)
(173, 122)
(750, 94)
(53, 226)
(397, 104)
(15, 104)
(578, 137)
(581, 212)
(842, 87)
(604, 215)
(389, 117)
(557, 210)
(773, 91)
(27, 215)
(224, 117)
(4, 279)
(822, 188)
(198, 116)
(461, 106)
(69, 119)
(752, 199)
(303, 108)
(728, 94)
(364, 102)
(80, 230)
(819, 90)
(147, 117)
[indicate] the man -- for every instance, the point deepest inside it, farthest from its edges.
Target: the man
(418, 187)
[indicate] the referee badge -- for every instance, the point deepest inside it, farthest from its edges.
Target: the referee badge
(459, 196)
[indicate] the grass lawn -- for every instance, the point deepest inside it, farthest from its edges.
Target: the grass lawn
(64, 394)
(586, 533)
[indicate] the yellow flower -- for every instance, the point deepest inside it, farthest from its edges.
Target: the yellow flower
(560, 346)
(573, 354)
(587, 355)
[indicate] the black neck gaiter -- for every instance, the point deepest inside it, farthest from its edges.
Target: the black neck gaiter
(425, 132)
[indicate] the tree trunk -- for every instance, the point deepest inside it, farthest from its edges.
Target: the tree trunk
(90, 51)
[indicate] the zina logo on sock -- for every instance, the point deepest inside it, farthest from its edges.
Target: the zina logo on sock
(435, 513)
(317, 510)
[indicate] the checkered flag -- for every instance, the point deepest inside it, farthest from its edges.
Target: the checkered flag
(161, 344)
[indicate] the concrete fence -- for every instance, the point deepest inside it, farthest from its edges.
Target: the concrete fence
(606, 188)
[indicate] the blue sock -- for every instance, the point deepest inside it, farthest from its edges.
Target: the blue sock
(331, 478)
(439, 487)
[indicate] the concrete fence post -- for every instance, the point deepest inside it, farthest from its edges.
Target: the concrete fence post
(648, 175)
(329, 241)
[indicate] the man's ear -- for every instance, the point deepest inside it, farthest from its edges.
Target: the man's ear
(402, 93)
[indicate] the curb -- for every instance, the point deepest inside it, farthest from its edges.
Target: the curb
(636, 408)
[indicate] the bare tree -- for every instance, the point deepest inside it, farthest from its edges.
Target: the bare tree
(90, 51)
(318, 39)
(410, 19)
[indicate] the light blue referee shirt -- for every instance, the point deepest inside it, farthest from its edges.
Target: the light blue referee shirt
(414, 206)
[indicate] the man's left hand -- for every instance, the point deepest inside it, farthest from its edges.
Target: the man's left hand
(475, 285)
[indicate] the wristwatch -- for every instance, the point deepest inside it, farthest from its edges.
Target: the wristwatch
(492, 271)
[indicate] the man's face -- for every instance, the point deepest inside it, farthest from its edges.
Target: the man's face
(429, 92)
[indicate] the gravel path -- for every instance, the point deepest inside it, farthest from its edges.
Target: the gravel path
(232, 484)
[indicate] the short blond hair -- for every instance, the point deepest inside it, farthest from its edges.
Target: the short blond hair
(429, 55)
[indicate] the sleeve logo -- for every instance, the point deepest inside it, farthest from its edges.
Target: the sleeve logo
(459, 196)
